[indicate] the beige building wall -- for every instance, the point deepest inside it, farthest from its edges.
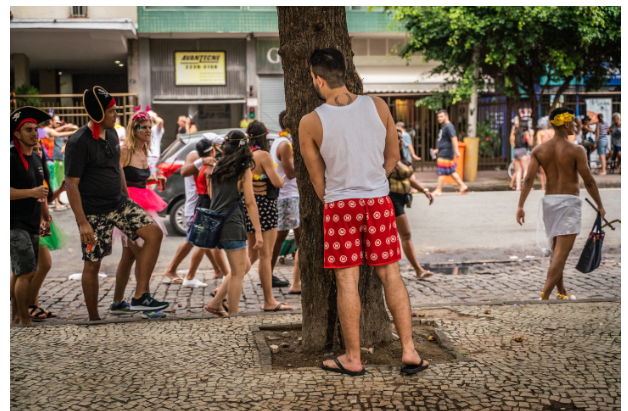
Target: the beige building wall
(63, 12)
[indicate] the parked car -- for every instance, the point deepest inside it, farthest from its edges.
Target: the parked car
(170, 162)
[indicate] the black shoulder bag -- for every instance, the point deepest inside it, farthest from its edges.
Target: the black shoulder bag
(592, 254)
(206, 227)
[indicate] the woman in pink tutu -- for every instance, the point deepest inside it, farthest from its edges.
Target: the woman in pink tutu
(134, 164)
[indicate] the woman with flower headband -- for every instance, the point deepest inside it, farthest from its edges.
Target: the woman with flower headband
(562, 161)
(134, 164)
(266, 184)
(231, 179)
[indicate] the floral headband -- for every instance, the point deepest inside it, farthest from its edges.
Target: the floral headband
(561, 119)
(243, 141)
(141, 116)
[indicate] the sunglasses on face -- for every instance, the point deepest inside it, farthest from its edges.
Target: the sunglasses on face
(108, 149)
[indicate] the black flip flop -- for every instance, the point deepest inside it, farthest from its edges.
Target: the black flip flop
(37, 317)
(295, 292)
(414, 368)
(342, 370)
(278, 308)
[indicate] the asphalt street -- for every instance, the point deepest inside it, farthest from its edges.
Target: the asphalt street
(479, 225)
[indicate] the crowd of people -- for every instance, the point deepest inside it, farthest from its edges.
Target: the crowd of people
(252, 185)
(593, 137)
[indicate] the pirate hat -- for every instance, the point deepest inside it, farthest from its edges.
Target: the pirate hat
(96, 102)
(27, 115)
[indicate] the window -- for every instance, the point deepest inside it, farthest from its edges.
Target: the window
(192, 8)
(78, 11)
(262, 8)
(376, 47)
(366, 8)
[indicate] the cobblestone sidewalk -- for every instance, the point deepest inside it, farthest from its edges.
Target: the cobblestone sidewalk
(517, 281)
(570, 359)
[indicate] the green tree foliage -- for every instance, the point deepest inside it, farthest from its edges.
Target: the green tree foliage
(27, 90)
(517, 46)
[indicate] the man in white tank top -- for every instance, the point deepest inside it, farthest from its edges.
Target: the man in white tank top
(350, 147)
(288, 200)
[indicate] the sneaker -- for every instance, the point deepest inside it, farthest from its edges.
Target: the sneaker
(153, 315)
(280, 283)
(120, 308)
(561, 297)
(147, 303)
(193, 283)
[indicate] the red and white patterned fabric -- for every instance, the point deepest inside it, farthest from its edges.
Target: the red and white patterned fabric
(358, 230)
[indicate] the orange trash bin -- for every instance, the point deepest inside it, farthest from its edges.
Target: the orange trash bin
(459, 165)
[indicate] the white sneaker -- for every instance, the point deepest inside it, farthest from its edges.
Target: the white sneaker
(193, 283)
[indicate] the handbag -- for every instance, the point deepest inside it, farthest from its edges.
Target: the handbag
(206, 227)
(591, 256)
(407, 199)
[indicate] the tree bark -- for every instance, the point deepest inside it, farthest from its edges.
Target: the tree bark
(301, 31)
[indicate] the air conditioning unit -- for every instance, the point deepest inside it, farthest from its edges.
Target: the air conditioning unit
(78, 11)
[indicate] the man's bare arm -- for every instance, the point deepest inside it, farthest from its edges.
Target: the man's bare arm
(286, 156)
(310, 128)
(454, 143)
(528, 182)
(188, 168)
(85, 229)
(587, 178)
(391, 150)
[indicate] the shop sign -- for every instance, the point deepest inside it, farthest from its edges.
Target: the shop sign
(200, 68)
(268, 59)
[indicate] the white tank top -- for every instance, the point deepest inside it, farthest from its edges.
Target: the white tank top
(353, 144)
(289, 189)
(191, 195)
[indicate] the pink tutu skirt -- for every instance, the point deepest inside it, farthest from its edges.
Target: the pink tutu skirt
(149, 201)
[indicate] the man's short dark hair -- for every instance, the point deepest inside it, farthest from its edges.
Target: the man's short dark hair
(443, 111)
(204, 147)
(330, 65)
(560, 110)
(282, 115)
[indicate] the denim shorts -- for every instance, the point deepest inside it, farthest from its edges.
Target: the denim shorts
(602, 147)
(231, 245)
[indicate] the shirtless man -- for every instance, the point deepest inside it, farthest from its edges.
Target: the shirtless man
(562, 205)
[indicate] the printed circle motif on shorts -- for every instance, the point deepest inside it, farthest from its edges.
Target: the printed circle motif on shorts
(367, 225)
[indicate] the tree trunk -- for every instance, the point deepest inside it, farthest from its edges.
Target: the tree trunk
(301, 31)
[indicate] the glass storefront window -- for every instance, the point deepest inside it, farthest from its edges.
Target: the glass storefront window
(192, 8)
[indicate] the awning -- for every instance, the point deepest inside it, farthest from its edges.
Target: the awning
(69, 43)
(399, 79)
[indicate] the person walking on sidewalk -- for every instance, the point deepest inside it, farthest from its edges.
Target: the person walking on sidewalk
(402, 181)
(288, 200)
(520, 139)
(137, 174)
(189, 171)
(615, 131)
(601, 143)
(157, 133)
(100, 201)
(408, 149)
(562, 205)
(359, 218)
(447, 153)
(26, 211)
(232, 178)
(266, 185)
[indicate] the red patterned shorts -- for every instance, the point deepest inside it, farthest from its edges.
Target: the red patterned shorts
(358, 229)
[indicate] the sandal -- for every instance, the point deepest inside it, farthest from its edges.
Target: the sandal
(38, 315)
(218, 313)
(342, 370)
(278, 308)
(169, 280)
(225, 305)
(414, 368)
(425, 274)
(50, 314)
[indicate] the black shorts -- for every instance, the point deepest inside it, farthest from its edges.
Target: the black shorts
(267, 210)
(398, 203)
(24, 249)
(129, 218)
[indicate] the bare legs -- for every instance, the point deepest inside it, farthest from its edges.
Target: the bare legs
(603, 165)
(521, 169)
(232, 284)
(296, 276)
(349, 310)
(562, 247)
(130, 253)
(182, 252)
(441, 182)
(265, 271)
(152, 236)
(406, 243)
(44, 264)
(89, 281)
